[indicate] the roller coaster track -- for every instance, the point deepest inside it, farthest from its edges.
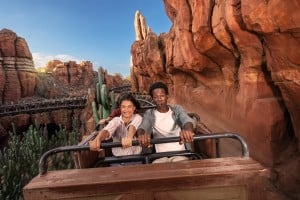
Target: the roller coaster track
(44, 105)
(145, 100)
(121, 89)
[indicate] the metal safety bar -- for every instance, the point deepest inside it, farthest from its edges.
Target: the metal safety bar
(43, 160)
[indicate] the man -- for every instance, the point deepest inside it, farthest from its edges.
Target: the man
(165, 121)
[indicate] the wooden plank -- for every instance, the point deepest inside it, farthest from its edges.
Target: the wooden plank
(153, 178)
(224, 193)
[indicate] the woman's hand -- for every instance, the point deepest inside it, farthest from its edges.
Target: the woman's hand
(126, 142)
(95, 144)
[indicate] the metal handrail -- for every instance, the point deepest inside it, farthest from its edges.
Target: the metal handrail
(43, 160)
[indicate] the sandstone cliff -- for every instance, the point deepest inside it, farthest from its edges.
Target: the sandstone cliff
(17, 73)
(20, 82)
(234, 62)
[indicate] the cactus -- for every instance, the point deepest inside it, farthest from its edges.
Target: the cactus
(104, 101)
(100, 111)
(105, 112)
(104, 96)
(98, 92)
(95, 112)
(100, 76)
(19, 160)
(113, 101)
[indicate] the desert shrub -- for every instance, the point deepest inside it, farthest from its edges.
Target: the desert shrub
(19, 160)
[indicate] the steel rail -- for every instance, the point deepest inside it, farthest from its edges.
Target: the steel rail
(43, 160)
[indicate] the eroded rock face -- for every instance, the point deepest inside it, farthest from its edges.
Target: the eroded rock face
(19, 81)
(17, 72)
(71, 74)
(234, 62)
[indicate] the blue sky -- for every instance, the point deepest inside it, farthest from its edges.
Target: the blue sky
(101, 31)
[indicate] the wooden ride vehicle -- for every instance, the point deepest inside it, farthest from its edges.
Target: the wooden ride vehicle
(205, 176)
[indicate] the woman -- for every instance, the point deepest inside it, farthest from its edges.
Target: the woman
(121, 129)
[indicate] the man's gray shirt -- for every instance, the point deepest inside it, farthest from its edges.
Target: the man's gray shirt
(179, 115)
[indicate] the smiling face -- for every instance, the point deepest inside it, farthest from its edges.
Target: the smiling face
(160, 98)
(127, 109)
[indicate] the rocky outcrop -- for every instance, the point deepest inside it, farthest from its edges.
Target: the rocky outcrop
(236, 63)
(17, 73)
(71, 74)
(140, 26)
(20, 82)
(231, 59)
(76, 78)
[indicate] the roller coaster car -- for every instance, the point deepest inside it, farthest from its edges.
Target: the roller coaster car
(204, 176)
(201, 148)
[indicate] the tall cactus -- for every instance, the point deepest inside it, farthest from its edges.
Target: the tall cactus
(104, 96)
(100, 76)
(98, 92)
(104, 102)
(95, 112)
(113, 101)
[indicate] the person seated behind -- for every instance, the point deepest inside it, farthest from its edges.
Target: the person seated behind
(165, 121)
(121, 129)
(115, 113)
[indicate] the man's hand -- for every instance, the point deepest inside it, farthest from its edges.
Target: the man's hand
(126, 142)
(186, 136)
(144, 140)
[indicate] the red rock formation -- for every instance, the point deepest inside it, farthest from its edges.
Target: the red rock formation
(229, 64)
(236, 63)
(20, 81)
(78, 77)
(17, 73)
(72, 74)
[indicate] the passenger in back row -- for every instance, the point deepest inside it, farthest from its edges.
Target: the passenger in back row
(114, 113)
(121, 129)
(165, 121)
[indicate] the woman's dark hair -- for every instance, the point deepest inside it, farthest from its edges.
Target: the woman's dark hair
(131, 98)
(158, 85)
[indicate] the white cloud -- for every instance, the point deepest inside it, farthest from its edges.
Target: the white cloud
(41, 60)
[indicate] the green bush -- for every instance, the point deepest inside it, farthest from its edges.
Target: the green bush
(19, 160)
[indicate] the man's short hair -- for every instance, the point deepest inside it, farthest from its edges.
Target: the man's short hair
(156, 86)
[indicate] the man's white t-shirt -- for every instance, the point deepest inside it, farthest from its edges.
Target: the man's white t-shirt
(165, 126)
